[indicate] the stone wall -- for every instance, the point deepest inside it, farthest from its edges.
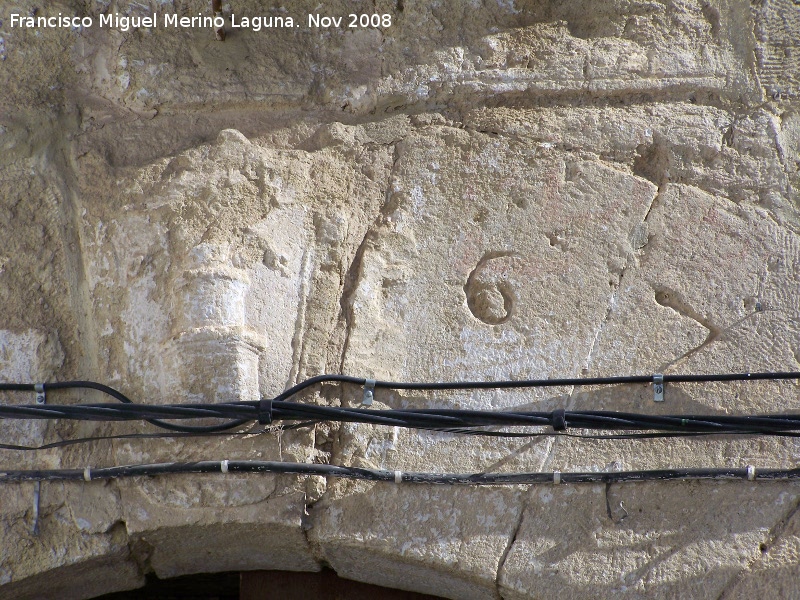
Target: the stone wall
(487, 189)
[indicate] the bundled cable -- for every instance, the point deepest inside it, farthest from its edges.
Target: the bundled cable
(476, 422)
(117, 395)
(749, 473)
(439, 419)
(280, 408)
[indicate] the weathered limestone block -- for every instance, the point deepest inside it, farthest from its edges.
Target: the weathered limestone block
(79, 540)
(487, 297)
(655, 540)
(738, 301)
(480, 299)
(210, 265)
(776, 26)
(776, 569)
(483, 190)
(31, 356)
(668, 316)
(439, 540)
(208, 525)
(724, 152)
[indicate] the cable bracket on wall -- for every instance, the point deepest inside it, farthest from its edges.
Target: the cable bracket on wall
(369, 392)
(40, 396)
(658, 387)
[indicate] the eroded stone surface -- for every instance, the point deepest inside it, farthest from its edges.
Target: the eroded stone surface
(437, 540)
(776, 566)
(79, 540)
(640, 541)
(485, 190)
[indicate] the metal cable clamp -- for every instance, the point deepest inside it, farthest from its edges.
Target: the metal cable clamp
(369, 392)
(658, 387)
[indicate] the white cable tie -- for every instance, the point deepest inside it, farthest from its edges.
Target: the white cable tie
(556, 477)
(223, 466)
(87, 474)
(751, 473)
(398, 477)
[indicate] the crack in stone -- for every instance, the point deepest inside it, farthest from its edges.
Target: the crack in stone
(512, 539)
(773, 535)
(498, 465)
(56, 167)
(298, 340)
(351, 280)
(615, 292)
(671, 299)
(352, 275)
(350, 285)
(306, 524)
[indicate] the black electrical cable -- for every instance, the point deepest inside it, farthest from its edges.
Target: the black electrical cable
(451, 385)
(537, 383)
(418, 419)
(141, 436)
(250, 466)
(466, 432)
(116, 394)
(278, 408)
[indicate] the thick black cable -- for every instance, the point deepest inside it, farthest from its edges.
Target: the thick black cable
(419, 419)
(277, 409)
(453, 385)
(465, 432)
(116, 394)
(272, 467)
(144, 436)
(537, 383)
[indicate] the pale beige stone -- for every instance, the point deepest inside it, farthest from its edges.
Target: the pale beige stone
(630, 541)
(483, 190)
(214, 526)
(775, 570)
(79, 540)
(438, 540)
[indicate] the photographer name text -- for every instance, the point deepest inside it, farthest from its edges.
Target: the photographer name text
(171, 21)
